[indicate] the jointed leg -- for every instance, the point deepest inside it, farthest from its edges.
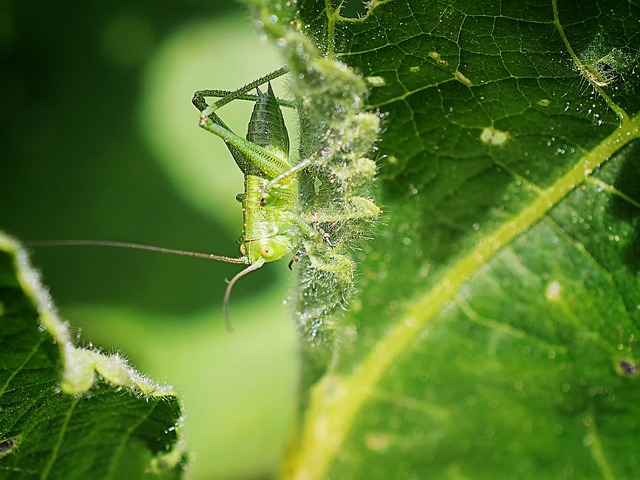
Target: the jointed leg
(291, 172)
(240, 94)
(247, 154)
(200, 103)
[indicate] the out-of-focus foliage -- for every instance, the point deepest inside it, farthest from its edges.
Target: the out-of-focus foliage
(100, 141)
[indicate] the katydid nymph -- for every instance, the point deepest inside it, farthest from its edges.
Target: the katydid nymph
(271, 227)
(316, 209)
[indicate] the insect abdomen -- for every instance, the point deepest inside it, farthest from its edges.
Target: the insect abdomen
(267, 127)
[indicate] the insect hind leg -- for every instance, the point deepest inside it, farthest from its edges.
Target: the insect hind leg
(200, 103)
(240, 94)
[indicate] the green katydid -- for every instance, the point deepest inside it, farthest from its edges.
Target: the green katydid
(271, 226)
(277, 221)
(274, 223)
(272, 229)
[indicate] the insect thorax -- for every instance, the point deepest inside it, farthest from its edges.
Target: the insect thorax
(268, 232)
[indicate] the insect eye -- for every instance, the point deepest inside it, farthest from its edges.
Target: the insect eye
(243, 249)
(266, 251)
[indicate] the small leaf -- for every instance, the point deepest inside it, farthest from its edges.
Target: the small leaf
(59, 420)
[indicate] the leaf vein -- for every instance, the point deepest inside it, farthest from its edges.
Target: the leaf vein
(336, 401)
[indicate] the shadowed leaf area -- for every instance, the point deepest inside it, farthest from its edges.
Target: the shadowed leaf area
(54, 423)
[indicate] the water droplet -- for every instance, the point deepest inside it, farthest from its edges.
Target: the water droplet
(553, 291)
(493, 136)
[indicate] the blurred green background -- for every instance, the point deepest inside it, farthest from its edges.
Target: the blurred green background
(100, 141)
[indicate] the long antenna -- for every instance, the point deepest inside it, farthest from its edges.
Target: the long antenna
(136, 246)
(227, 295)
(152, 248)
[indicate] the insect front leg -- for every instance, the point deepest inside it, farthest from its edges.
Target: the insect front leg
(306, 228)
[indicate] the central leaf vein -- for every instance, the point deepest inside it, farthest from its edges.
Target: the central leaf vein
(337, 401)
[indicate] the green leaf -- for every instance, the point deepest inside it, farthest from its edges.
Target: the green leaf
(498, 321)
(58, 420)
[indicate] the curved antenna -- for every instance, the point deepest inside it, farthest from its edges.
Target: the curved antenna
(135, 246)
(227, 295)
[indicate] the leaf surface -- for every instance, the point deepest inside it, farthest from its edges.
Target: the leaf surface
(59, 419)
(498, 321)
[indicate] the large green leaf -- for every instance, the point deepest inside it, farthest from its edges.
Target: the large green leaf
(58, 420)
(496, 332)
